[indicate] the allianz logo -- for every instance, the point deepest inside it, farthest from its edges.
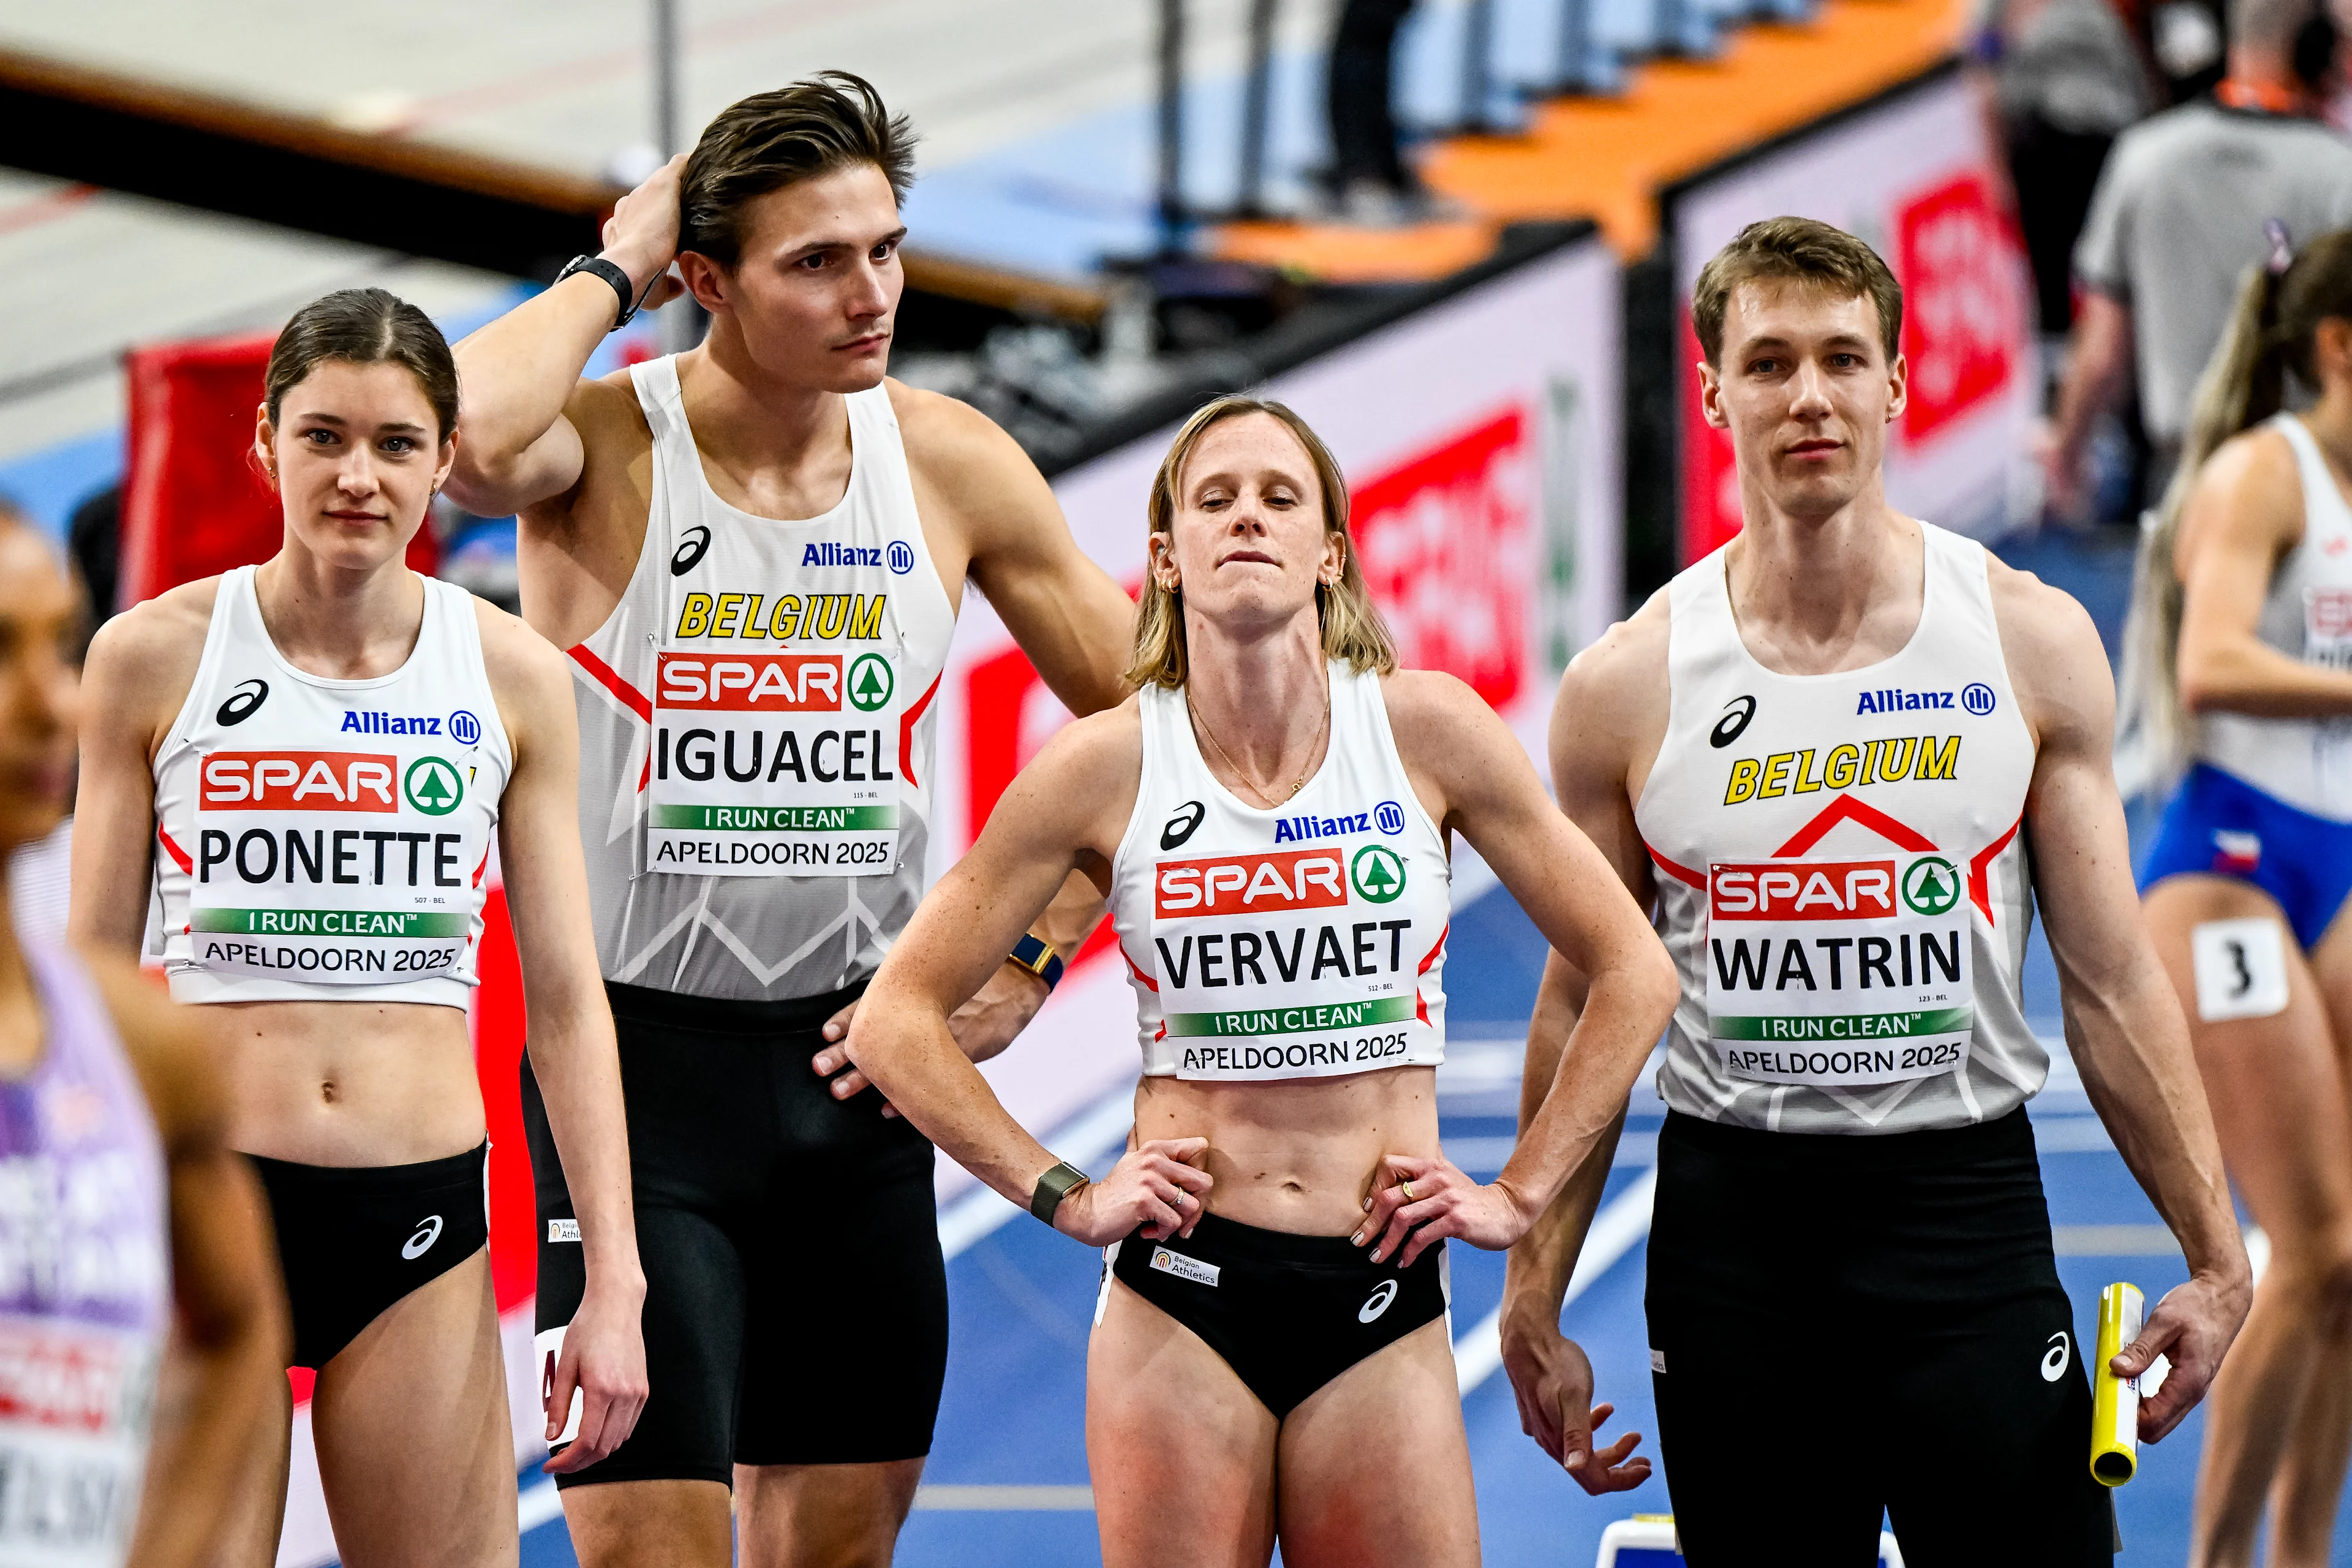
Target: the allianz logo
(828, 553)
(1977, 698)
(1388, 817)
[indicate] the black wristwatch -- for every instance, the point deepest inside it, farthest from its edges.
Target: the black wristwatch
(611, 273)
(1054, 1186)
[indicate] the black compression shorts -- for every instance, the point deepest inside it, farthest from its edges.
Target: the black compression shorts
(1842, 1324)
(796, 1307)
(1288, 1314)
(353, 1240)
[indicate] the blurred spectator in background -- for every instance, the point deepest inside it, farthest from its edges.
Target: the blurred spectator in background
(1369, 179)
(2183, 37)
(2178, 216)
(2065, 80)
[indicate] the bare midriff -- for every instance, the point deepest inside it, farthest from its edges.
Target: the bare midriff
(347, 1083)
(1300, 1156)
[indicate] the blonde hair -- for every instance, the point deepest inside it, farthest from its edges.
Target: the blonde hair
(2278, 310)
(1352, 628)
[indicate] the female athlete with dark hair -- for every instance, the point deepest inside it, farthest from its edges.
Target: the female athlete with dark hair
(1270, 817)
(305, 763)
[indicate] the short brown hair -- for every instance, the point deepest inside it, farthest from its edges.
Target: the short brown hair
(1803, 249)
(1352, 628)
(771, 140)
(363, 326)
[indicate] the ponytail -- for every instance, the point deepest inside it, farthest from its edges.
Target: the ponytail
(2280, 304)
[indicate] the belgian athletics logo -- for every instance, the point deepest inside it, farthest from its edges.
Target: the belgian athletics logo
(870, 683)
(1931, 886)
(433, 786)
(1377, 872)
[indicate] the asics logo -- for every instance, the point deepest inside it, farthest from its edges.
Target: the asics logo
(248, 696)
(428, 1231)
(1182, 824)
(689, 555)
(2054, 1359)
(1379, 1302)
(1739, 709)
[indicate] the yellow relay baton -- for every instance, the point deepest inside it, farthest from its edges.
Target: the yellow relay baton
(2115, 1401)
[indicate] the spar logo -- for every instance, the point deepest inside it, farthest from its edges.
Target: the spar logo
(1811, 890)
(433, 786)
(1250, 884)
(1932, 885)
(1377, 872)
(752, 682)
(298, 781)
(870, 683)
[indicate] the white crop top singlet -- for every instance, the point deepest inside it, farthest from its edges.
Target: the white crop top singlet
(2305, 763)
(756, 725)
(326, 840)
(1302, 941)
(1841, 872)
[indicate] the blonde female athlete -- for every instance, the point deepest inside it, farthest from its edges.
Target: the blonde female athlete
(1271, 818)
(2244, 612)
(304, 762)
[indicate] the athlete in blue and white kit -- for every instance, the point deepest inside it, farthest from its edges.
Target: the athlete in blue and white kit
(123, 1212)
(304, 765)
(1271, 818)
(2244, 645)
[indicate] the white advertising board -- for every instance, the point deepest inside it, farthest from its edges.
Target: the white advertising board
(1914, 175)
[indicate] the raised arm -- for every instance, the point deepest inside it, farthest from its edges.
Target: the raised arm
(1575, 898)
(1065, 812)
(572, 1053)
(519, 376)
(2245, 515)
(222, 1383)
(137, 675)
(2123, 1021)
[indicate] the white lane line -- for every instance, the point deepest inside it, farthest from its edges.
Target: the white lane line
(539, 1504)
(1096, 1132)
(1006, 1499)
(1622, 1221)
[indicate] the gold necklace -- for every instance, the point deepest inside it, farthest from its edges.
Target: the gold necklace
(1246, 782)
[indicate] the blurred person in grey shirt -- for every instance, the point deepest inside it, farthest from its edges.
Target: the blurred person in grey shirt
(2179, 216)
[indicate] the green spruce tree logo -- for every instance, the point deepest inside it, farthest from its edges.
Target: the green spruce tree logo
(870, 683)
(1931, 885)
(1377, 872)
(433, 786)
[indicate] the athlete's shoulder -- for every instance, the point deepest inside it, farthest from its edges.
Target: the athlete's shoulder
(2057, 665)
(2251, 484)
(166, 1051)
(1626, 664)
(605, 407)
(512, 652)
(1101, 747)
(950, 440)
(156, 644)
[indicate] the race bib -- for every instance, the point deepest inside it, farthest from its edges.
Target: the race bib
(1839, 973)
(76, 1403)
(775, 764)
(1293, 963)
(334, 868)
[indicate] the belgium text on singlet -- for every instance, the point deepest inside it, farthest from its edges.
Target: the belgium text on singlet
(327, 839)
(1302, 941)
(755, 723)
(1841, 878)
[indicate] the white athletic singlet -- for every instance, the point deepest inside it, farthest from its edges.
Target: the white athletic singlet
(755, 726)
(1302, 941)
(325, 840)
(2305, 763)
(1841, 877)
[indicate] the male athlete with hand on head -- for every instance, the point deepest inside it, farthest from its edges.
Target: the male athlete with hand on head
(754, 552)
(1841, 758)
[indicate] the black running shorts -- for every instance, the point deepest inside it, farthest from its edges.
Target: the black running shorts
(1844, 1324)
(352, 1241)
(1288, 1314)
(796, 1308)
